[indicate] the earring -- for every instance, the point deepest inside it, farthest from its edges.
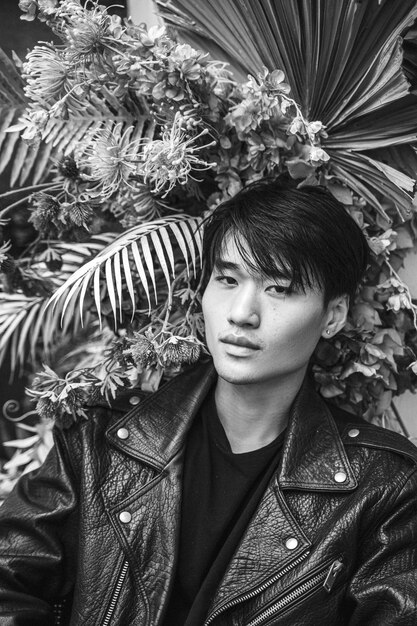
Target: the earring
(327, 331)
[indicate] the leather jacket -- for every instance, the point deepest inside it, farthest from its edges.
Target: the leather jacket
(333, 540)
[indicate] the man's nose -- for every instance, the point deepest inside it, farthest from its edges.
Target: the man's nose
(244, 308)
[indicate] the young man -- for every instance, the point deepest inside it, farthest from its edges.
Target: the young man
(235, 495)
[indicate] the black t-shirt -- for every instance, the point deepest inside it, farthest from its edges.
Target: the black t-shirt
(221, 491)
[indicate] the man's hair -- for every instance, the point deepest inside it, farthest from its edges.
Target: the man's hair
(304, 235)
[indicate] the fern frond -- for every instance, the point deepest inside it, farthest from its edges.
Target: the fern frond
(132, 256)
(27, 323)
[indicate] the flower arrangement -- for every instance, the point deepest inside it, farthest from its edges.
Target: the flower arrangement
(130, 137)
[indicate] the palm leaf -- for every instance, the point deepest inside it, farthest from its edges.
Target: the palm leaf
(343, 60)
(27, 323)
(135, 256)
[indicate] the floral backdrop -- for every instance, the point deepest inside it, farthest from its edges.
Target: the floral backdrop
(120, 139)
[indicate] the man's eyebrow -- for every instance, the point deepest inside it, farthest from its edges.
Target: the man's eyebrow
(222, 265)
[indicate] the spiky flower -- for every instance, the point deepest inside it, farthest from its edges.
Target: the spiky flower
(143, 351)
(176, 351)
(46, 408)
(89, 32)
(170, 160)
(45, 212)
(46, 74)
(110, 158)
(76, 214)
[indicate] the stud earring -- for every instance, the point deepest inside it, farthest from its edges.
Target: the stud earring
(327, 331)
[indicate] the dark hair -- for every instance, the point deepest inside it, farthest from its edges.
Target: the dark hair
(304, 235)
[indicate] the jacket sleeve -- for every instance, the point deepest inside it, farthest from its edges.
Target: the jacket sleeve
(383, 590)
(37, 534)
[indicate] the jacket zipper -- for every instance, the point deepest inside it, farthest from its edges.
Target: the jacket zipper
(326, 576)
(259, 589)
(116, 593)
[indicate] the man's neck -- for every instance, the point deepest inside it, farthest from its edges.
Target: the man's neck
(253, 415)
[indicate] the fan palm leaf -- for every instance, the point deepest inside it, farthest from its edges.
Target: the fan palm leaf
(27, 323)
(135, 256)
(343, 61)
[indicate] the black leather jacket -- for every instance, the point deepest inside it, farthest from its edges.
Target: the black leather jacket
(333, 541)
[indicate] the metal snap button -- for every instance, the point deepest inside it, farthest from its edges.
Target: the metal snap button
(340, 477)
(123, 433)
(134, 400)
(125, 517)
(353, 432)
(291, 543)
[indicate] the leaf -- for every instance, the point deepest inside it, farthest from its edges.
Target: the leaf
(370, 178)
(118, 260)
(27, 323)
(344, 63)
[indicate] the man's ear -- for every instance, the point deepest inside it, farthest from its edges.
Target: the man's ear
(336, 315)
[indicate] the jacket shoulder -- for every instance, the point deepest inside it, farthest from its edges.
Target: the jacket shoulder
(356, 431)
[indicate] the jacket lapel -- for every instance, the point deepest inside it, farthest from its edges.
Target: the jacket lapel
(157, 427)
(312, 454)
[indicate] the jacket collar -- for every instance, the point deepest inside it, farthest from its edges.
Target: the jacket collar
(312, 455)
(157, 426)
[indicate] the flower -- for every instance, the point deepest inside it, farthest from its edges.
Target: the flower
(76, 214)
(89, 32)
(185, 62)
(179, 350)
(143, 350)
(170, 160)
(47, 408)
(46, 74)
(45, 212)
(274, 81)
(32, 123)
(110, 158)
(318, 155)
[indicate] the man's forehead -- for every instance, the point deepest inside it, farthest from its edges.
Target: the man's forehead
(236, 254)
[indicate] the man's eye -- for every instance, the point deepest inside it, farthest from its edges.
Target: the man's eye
(225, 280)
(279, 289)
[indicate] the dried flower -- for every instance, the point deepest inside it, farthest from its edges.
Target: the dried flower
(143, 351)
(47, 408)
(170, 160)
(110, 158)
(45, 212)
(176, 351)
(76, 214)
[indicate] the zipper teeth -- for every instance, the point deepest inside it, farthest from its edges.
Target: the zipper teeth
(116, 593)
(259, 589)
(288, 599)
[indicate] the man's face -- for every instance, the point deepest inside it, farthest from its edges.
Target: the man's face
(257, 330)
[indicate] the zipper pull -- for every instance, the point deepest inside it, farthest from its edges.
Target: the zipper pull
(330, 579)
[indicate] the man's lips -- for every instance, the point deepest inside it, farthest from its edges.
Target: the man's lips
(237, 340)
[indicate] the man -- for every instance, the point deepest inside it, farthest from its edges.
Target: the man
(234, 495)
